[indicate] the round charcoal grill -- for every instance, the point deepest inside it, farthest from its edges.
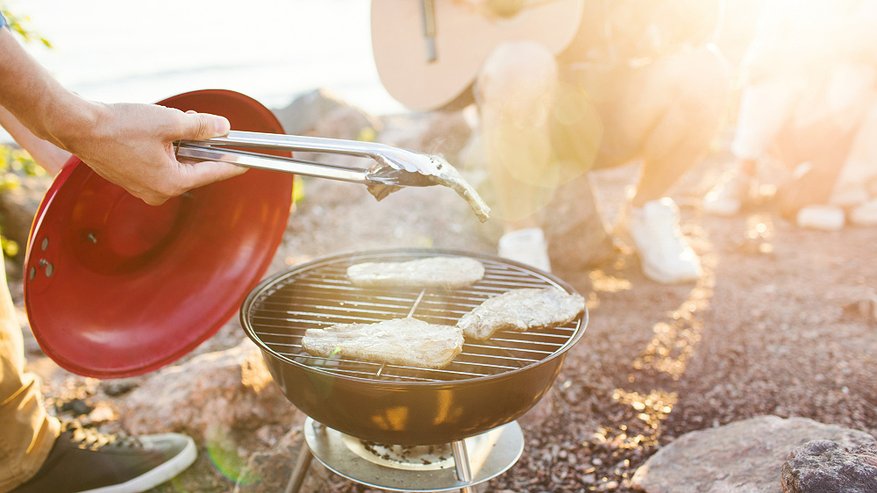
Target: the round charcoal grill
(489, 384)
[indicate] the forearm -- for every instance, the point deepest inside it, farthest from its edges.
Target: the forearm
(37, 100)
(130, 145)
(46, 154)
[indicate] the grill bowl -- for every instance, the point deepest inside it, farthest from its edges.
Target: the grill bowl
(488, 385)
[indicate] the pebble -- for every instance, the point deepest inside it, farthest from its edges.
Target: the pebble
(77, 407)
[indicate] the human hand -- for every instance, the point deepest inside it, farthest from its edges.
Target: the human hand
(131, 145)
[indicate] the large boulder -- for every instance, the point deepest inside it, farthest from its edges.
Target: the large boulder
(741, 457)
(824, 466)
(221, 391)
(323, 114)
(574, 227)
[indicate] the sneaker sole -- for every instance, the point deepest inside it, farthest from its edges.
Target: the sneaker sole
(154, 477)
(662, 278)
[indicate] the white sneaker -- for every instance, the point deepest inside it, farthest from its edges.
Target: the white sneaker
(527, 246)
(665, 255)
(727, 196)
(865, 214)
(823, 217)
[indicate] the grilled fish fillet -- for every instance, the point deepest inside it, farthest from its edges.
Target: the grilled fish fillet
(444, 272)
(401, 341)
(521, 309)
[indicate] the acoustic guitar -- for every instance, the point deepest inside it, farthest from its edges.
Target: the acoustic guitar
(429, 52)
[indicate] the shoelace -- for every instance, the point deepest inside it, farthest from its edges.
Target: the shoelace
(92, 439)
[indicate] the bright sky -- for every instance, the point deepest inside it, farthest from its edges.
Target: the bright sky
(121, 50)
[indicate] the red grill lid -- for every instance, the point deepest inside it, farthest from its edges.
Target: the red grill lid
(115, 287)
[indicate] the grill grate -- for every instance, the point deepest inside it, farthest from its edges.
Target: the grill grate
(318, 295)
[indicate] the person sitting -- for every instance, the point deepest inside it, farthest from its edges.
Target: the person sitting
(809, 102)
(638, 83)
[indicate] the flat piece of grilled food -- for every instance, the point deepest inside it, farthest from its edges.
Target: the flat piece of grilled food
(401, 341)
(521, 309)
(433, 272)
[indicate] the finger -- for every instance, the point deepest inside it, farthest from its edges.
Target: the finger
(153, 198)
(200, 126)
(206, 172)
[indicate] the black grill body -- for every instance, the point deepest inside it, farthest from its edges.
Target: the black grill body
(489, 384)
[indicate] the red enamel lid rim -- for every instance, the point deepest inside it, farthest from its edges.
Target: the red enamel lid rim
(116, 288)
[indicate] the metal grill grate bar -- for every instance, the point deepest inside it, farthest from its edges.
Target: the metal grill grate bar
(466, 352)
(332, 361)
(321, 296)
(302, 317)
(484, 345)
(433, 309)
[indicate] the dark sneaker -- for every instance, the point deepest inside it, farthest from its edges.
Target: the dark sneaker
(86, 461)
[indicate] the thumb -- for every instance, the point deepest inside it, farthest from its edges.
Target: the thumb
(200, 126)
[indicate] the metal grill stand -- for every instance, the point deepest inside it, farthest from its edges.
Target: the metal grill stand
(494, 452)
(379, 416)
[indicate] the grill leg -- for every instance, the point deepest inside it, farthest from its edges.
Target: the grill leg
(302, 464)
(461, 464)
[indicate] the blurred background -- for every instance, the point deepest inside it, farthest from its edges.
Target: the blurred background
(270, 49)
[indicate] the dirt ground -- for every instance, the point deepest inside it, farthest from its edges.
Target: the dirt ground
(765, 331)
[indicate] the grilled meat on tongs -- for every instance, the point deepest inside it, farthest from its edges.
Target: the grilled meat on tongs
(393, 167)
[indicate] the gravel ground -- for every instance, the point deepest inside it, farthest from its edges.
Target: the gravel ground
(771, 328)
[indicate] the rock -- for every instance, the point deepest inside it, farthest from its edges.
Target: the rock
(574, 228)
(538, 414)
(118, 386)
(18, 205)
(269, 471)
(745, 456)
(824, 466)
(439, 132)
(864, 308)
(76, 407)
(323, 114)
(219, 391)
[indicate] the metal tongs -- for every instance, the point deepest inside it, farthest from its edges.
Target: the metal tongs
(393, 167)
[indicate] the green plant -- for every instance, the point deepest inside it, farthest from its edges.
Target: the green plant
(20, 25)
(15, 162)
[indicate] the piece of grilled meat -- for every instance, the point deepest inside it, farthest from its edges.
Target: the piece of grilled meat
(401, 341)
(521, 309)
(432, 272)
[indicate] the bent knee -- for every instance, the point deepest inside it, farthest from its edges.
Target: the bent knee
(522, 71)
(705, 76)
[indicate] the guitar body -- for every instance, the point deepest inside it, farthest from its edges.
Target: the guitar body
(464, 39)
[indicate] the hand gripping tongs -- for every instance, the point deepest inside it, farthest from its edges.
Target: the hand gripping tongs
(392, 168)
